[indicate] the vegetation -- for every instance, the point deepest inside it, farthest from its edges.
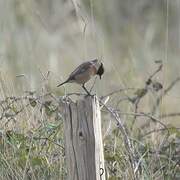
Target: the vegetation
(32, 144)
(42, 41)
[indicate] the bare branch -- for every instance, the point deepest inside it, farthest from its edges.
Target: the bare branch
(159, 99)
(158, 70)
(157, 130)
(169, 115)
(117, 91)
(127, 141)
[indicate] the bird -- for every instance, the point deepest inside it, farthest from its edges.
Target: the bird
(84, 72)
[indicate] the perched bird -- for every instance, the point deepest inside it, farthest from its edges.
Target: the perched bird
(85, 72)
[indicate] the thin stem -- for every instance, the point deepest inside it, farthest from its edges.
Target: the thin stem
(83, 86)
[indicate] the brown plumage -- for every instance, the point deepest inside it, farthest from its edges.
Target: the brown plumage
(85, 72)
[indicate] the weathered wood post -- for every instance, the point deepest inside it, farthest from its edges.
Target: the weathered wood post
(83, 140)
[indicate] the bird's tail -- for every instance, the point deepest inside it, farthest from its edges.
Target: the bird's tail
(62, 83)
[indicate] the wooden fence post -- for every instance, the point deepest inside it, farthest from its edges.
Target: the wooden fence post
(83, 140)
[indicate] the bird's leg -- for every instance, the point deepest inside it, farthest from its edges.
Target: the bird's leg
(93, 84)
(83, 86)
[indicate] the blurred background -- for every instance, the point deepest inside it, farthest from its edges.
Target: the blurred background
(43, 41)
(41, 36)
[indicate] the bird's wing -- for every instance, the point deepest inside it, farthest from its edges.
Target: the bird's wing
(80, 69)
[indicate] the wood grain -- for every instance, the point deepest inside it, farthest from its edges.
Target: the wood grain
(83, 139)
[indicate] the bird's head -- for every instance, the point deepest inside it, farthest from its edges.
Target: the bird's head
(100, 70)
(99, 67)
